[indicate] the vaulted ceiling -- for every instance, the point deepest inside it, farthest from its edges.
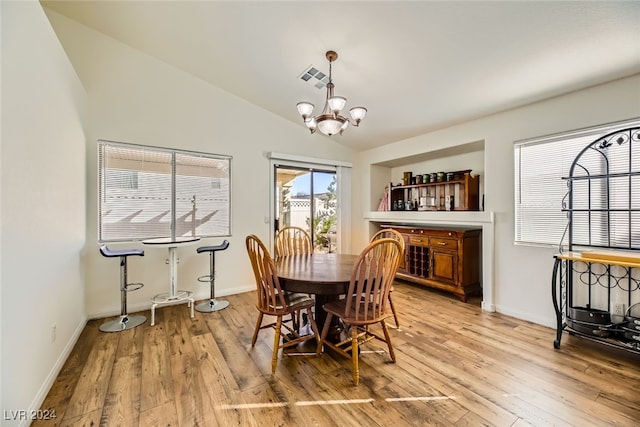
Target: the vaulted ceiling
(416, 66)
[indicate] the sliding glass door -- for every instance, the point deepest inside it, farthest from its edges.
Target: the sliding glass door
(306, 198)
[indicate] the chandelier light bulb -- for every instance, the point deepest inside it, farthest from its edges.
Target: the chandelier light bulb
(305, 109)
(311, 124)
(358, 113)
(336, 104)
(345, 125)
(329, 126)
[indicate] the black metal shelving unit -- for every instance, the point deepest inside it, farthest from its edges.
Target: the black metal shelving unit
(602, 205)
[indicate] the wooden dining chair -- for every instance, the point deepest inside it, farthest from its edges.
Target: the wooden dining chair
(365, 303)
(272, 301)
(392, 234)
(292, 240)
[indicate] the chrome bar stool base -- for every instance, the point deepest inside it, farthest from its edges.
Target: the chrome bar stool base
(213, 304)
(123, 323)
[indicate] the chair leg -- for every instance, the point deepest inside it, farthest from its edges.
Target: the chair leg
(276, 345)
(354, 355)
(393, 310)
(388, 339)
(255, 333)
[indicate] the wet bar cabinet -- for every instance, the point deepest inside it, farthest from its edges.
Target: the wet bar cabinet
(446, 258)
(596, 281)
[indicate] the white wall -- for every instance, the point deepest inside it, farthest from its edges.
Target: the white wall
(522, 274)
(43, 207)
(136, 98)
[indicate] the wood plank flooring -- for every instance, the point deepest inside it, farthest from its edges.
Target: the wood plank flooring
(456, 366)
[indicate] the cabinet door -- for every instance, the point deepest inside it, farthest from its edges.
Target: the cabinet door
(444, 266)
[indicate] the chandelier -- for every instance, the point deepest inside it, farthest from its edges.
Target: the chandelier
(330, 121)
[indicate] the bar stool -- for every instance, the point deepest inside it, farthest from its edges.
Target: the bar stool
(213, 304)
(125, 322)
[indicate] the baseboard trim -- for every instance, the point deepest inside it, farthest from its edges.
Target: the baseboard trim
(55, 371)
(201, 295)
(548, 322)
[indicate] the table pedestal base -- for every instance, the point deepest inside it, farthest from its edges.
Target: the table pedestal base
(166, 298)
(321, 316)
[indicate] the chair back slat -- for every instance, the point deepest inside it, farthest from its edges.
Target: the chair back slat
(371, 280)
(389, 233)
(270, 296)
(292, 241)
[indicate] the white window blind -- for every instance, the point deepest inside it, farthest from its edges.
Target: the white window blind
(148, 192)
(540, 164)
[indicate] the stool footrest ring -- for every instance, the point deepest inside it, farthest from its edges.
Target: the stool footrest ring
(166, 298)
(206, 279)
(130, 287)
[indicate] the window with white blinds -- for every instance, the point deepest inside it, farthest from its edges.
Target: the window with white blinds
(540, 164)
(147, 192)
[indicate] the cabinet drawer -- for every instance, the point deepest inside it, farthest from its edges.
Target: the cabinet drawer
(443, 243)
(418, 240)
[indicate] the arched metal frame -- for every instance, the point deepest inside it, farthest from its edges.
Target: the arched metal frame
(601, 214)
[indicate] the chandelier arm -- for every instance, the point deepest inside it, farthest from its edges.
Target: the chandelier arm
(326, 109)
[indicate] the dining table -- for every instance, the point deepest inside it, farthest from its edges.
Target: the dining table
(325, 275)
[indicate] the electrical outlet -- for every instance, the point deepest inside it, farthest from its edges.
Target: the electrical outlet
(53, 333)
(618, 309)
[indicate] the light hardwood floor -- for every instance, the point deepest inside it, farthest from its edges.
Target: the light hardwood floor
(456, 366)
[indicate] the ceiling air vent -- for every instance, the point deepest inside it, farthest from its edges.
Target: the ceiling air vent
(315, 77)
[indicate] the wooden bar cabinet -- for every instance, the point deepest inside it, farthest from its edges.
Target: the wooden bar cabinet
(443, 258)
